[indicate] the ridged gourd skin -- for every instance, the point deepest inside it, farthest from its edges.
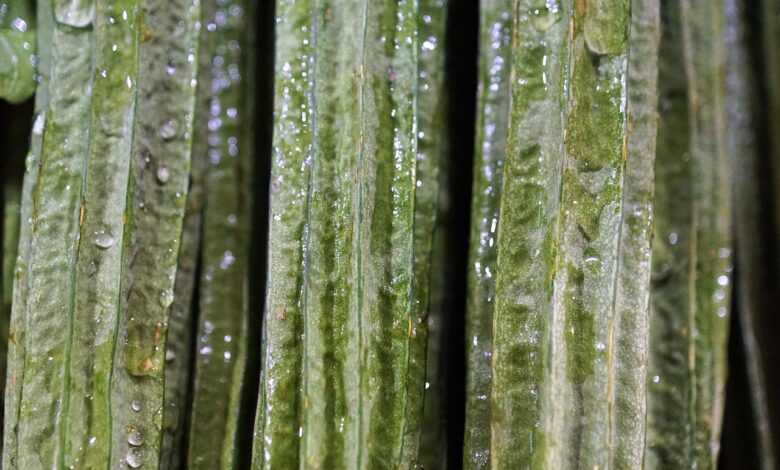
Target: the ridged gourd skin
(102, 209)
(17, 50)
(224, 132)
(559, 269)
(353, 203)
(692, 243)
(433, 118)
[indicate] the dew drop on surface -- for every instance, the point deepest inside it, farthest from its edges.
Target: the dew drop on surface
(205, 350)
(135, 439)
(40, 120)
(92, 440)
(166, 298)
(723, 280)
(133, 460)
(104, 240)
(136, 406)
(656, 379)
(227, 355)
(19, 24)
(168, 130)
(170, 355)
(227, 260)
(600, 346)
(163, 174)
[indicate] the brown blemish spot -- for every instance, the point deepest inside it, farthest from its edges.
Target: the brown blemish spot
(146, 365)
(281, 313)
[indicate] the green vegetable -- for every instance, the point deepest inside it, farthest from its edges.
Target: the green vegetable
(755, 302)
(431, 216)
(352, 209)
(16, 348)
(17, 50)
(558, 296)
(225, 123)
(159, 176)
(103, 204)
(496, 26)
(692, 245)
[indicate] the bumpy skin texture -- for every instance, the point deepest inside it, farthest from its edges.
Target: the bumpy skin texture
(692, 265)
(559, 280)
(100, 236)
(17, 50)
(225, 114)
(353, 197)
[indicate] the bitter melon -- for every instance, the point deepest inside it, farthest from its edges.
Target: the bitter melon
(692, 243)
(102, 212)
(559, 273)
(17, 50)
(353, 200)
(225, 133)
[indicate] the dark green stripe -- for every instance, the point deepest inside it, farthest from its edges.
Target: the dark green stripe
(223, 303)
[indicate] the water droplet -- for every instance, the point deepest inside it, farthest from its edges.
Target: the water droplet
(104, 240)
(92, 440)
(205, 350)
(170, 355)
(163, 174)
(228, 338)
(427, 385)
(723, 280)
(136, 406)
(135, 438)
(168, 129)
(656, 379)
(133, 459)
(600, 346)
(19, 24)
(40, 120)
(227, 355)
(673, 238)
(227, 260)
(166, 298)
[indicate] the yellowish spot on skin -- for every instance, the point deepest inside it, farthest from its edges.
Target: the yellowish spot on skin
(146, 365)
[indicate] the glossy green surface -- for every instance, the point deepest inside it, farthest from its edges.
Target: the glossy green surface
(353, 198)
(17, 50)
(692, 245)
(99, 237)
(225, 114)
(559, 274)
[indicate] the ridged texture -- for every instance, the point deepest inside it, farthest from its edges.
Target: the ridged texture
(158, 182)
(692, 244)
(102, 208)
(353, 202)
(559, 273)
(432, 234)
(17, 328)
(225, 120)
(17, 50)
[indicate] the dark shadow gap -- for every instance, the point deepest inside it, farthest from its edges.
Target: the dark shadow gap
(263, 57)
(461, 82)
